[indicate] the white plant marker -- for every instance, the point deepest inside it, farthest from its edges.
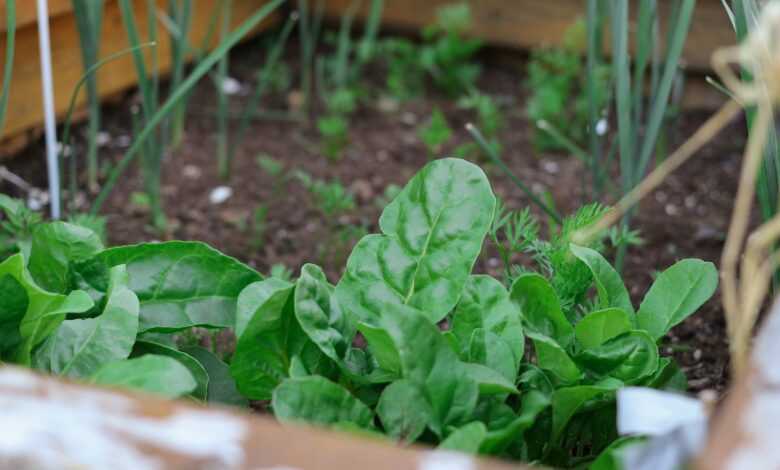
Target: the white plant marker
(52, 163)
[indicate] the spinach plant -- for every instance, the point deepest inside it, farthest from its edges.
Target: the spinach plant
(412, 344)
(409, 343)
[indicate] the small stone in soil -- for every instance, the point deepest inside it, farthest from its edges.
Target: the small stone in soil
(220, 194)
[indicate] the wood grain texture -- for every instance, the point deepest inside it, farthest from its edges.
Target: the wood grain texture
(79, 426)
(530, 23)
(25, 103)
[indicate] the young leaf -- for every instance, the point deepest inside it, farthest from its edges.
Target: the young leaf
(629, 357)
(221, 386)
(317, 400)
(319, 314)
(29, 321)
(551, 357)
(466, 438)
(161, 375)
(492, 351)
(382, 347)
(485, 304)
(496, 441)
(268, 338)
(566, 402)
(676, 294)
(490, 382)
(540, 308)
(600, 326)
(403, 411)
(428, 362)
(610, 458)
(55, 247)
(79, 347)
(610, 288)
(179, 284)
(432, 234)
(197, 371)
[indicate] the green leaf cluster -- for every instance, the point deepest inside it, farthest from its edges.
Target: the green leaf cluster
(410, 343)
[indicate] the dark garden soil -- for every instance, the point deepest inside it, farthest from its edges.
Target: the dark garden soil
(686, 217)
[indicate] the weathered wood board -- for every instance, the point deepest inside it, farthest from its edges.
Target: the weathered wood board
(25, 104)
(529, 23)
(47, 424)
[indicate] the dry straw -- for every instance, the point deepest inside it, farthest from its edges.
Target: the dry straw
(744, 286)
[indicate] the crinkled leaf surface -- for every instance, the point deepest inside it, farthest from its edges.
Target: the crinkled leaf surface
(540, 308)
(195, 368)
(428, 361)
(432, 234)
(602, 325)
(42, 312)
(221, 386)
(161, 375)
(485, 304)
(317, 400)
(56, 246)
(403, 411)
(629, 357)
(492, 351)
(611, 290)
(78, 348)
(676, 293)
(319, 314)
(179, 284)
(268, 338)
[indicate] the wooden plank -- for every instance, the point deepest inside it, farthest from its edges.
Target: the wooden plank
(25, 104)
(530, 23)
(26, 13)
(745, 432)
(47, 423)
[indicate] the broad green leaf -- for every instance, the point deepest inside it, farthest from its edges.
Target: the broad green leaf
(221, 386)
(78, 348)
(490, 382)
(319, 314)
(467, 438)
(551, 357)
(317, 400)
(428, 362)
(668, 377)
(179, 284)
(676, 293)
(485, 304)
(496, 441)
(382, 347)
(611, 290)
(540, 308)
(600, 326)
(492, 351)
(161, 375)
(196, 369)
(56, 246)
(403, 411)
(269, 337)
(27, 322)
(566, 402)
(432, 234)
(630, 357)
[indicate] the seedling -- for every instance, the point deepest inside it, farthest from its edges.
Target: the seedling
(436, 133)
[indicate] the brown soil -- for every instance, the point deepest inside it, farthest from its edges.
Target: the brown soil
(686, 217)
